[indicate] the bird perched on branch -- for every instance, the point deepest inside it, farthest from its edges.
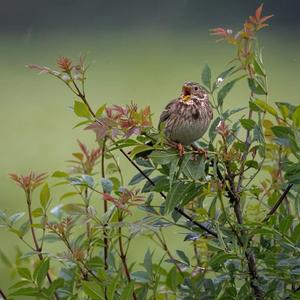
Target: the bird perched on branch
(187, 118)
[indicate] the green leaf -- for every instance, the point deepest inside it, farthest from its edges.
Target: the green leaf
(183, 256)
(222, 77)
(286, 109)
(68, 195)
(83, 123)
(81, 110)
(141, 277)
(107, 185)
(258, 67)
(296, 117)
(111, 289)
(224, 91)
(181, 193)
(88, 180)
(163, 157)
(251, 164)
(206, 76)
(256, 86)
(282, 131)
(173, 168)
(296, 234)
(20, 284)
(38, 212)
(93, 290)
(285, 224)
(24, 273)
(173, 279)
(264, 106)
(248, 124)
(148, 262)
(16, 217)
(140, 149)
(195, 168)
(140, 177)
(28, 291)
(127, 291)
(217, 260)
(60, 174)
(41, 271)
(44, 195)
(56, 284)
(100, 111)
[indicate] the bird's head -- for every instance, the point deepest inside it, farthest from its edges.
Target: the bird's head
(190, 89)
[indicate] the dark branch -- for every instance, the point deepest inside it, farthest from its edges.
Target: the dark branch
(2, 294)
(278, 203)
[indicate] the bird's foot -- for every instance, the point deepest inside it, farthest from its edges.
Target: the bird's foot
(180, 149)
(178, 146)
(199, 151)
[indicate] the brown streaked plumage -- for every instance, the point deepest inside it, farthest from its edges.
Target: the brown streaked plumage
(187, 118)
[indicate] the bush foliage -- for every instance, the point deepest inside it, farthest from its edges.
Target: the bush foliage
(238, 206)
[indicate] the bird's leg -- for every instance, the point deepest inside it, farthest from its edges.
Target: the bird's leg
(180, 148)
(199, 150)
(177, 146)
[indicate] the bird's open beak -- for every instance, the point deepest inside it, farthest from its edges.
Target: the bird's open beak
(186, 93)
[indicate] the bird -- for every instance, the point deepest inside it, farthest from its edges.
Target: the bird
(186, 118)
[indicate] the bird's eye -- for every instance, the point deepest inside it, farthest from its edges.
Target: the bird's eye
(196, 88)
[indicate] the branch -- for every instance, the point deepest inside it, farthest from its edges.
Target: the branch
(278, 203)
(2, 294)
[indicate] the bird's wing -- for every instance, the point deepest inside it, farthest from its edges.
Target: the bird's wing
(167, 112)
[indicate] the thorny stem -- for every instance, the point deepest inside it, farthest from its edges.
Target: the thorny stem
(38, 248)
(122, 252)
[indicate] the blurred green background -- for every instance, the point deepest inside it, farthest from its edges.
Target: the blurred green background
(138, 50)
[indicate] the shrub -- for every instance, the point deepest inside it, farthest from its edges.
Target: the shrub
(238, 205)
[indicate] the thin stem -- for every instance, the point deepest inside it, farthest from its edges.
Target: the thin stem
(37, 247)
(122, 252)
(164, 246)
(88, 225)
(105, 207)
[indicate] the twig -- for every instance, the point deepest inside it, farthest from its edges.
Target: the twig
(2, 294)
(278, 203)
(164, 246)
(37, 247)
(123, 254)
